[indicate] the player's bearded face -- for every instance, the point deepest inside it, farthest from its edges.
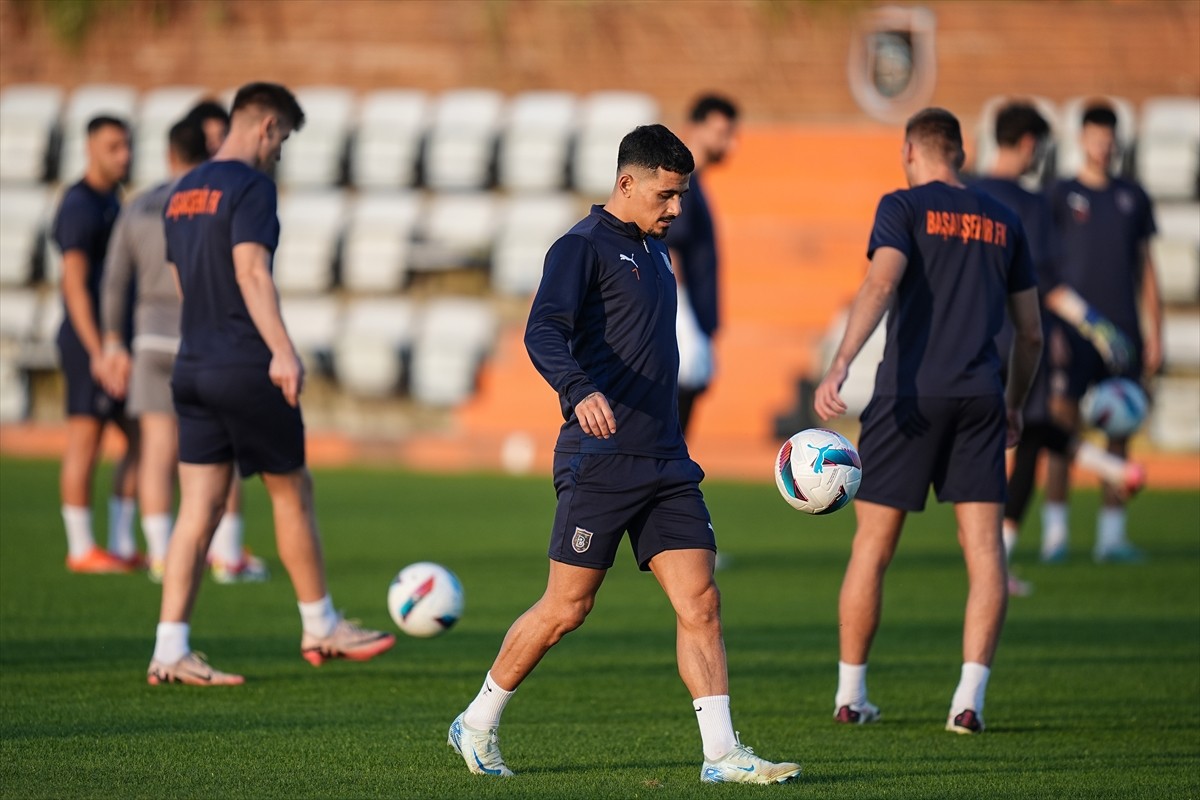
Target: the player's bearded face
(108, 148)
(655, 200)
(270, 147)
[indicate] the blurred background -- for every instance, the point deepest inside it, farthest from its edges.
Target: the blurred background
(449, 143)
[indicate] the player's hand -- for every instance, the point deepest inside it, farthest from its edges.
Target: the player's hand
(828, 401)
(116, 367)
(595, 416)
(287, 372)
(1016, 424)
(1113, 345)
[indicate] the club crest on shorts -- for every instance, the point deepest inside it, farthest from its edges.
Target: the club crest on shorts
(581, 541)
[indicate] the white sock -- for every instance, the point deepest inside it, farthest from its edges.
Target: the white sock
(157, 530)
(852, 685)
(121, 513)
(716, 726)
(1110, 529)
(1054, 528)
(78, 522)
(171, 642)
(1010, 534)
(318, 617)
(1110, 468)
(484, 712)
(971, 688)
(226, 545)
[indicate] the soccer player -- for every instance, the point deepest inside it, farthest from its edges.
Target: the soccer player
(81, 230)
(137, 259)
(602, 333)
(213, 120)
(693, 246)
(1021, 134)
(1104, 225)
(945, 260)
(236, 387)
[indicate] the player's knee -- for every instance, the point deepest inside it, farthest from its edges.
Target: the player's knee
(566, 616)
(703, 610)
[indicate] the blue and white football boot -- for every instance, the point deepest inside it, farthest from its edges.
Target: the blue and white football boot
(479, 749)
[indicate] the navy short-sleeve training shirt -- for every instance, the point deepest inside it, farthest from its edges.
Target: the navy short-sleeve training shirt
(85, 222)
(214, 207)
(966, 253)
(693, 236)
(1100, 236)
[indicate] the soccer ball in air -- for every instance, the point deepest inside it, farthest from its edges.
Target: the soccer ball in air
(425, 599)
(1116, 406)
(818, 471)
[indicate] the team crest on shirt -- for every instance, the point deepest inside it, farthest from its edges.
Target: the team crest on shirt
(581, 541)
(1081, 209)
(1125, 202)
(667, 260)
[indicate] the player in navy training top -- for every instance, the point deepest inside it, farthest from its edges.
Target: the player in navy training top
(945, 261)
(1104, 225)
(602, 333)
(236, 387)
(693, 245)
(81, 230)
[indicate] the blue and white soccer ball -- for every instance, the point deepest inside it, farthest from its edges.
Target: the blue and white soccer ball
(425, 599)
(1116, 406)
(818, 471)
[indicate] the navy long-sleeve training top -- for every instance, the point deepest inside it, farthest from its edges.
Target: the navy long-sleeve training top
(603, 320)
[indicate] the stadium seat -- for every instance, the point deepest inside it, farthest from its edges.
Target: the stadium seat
(314, 155)
(860, 382)
(1176, 250)
(452, 340)
(1070, 122)
(310, 225)
(28, 122)
(985, 138)
(1174, 423)
(387, 145)
(605, 119)
(378, 239)
(14, 391)
(23, 215)
(458, 230)
(1181, 342)
(18, 314)
(368, 353)
(536, 140)
(529, 224)
(313, 324)
(160, 109)
(86, 102)
(462, 140)
(1168, 156)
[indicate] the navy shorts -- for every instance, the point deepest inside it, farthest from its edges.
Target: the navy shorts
(603, 495)
(235, 413)
(84, 397)
(1087, 367)
(954, 443)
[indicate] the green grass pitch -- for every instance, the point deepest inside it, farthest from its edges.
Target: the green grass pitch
(1095, 692)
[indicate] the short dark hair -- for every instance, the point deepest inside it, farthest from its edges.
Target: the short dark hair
(1017, 120)
(1098, 112)
(104, 121)
(272, 97)
(712, 104)
(187, 141)
(652, 147)
(937, 129)
(208, 109)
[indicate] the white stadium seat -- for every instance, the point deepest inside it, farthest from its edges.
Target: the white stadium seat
(24, 213)
(1174, 423)
(1070, 123)
(529, 224)
(378, 241)
(536, 140)
(28, 118)
(454, 336)
(18, 314)
(860, 382)
(310, 225)
(985, 137)
(387, 145)
(368, 352)
(462, 140)
(458, 229)
(1176, 249)
(87, 102)
(313, 155)
(1169, 147)
(605, 119)
(313, 324)
(14, 391)
(160, 109)
(1181, 342)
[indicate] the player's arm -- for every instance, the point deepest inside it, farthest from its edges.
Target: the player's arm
(252, 265)
(78, 301)
(1023, 360)
(1113, 345)
(1152, 313)
(870, 304)
(114, 293)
